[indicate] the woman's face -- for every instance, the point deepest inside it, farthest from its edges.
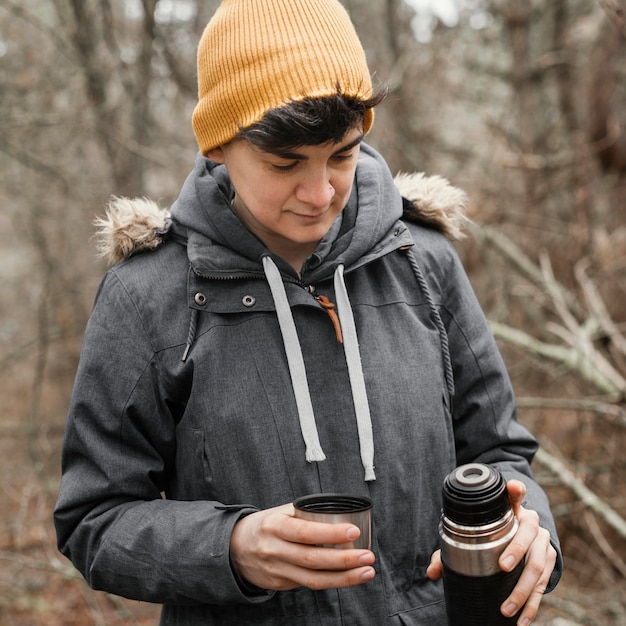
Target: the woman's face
(291, 199)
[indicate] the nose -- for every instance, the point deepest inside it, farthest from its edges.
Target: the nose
(316, 191)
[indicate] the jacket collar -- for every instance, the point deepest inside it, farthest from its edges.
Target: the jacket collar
(219, 244)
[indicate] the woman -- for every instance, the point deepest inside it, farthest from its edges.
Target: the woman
(284, 331)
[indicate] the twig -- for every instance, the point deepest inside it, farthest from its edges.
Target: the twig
(597, 307)
(569, 357)
(507, 248)
(54, 565)
(588, 497)
(578, 404)
(603, 544)
(556, 294)
(589, 356)
(576, 335)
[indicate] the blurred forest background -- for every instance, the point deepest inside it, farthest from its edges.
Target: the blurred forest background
(520, 102)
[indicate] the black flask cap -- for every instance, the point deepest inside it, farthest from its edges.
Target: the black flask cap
(475, 494)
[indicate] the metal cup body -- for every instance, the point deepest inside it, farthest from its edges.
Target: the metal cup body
(337, 508)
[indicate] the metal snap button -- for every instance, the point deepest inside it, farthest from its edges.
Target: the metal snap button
(200, 299)
(248, 301)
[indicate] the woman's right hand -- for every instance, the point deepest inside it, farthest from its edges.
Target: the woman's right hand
(272, 549)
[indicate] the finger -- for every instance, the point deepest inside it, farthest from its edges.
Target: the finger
(302, 531)
(282, 565)
(534, 600)
(323, 579)
(516, 491)
(522, 541)
(289, 576)
(435, 569)
(307, 544)
(328, 559)
(540, 560)
(281, 523)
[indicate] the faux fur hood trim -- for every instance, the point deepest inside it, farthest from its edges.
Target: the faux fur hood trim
(434, 201)
(131, 225)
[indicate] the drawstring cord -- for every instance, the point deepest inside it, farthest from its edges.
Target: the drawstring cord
(297, 370)
(355, 373)
(443, 335)
(295, 362)
(191, 335)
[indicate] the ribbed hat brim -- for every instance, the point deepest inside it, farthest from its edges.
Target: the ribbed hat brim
(256, 55)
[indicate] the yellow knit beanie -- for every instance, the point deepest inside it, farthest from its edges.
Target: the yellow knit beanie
(255, 55)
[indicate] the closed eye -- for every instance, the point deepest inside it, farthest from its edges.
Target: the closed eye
(343, 157)
(284, 168)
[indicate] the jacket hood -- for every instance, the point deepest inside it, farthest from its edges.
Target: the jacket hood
(202, 215)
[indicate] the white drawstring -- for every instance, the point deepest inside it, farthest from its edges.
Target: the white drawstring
(295, 362)
(297, 371)
(355, 372)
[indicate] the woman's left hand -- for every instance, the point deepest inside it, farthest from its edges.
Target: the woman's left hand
(531, 542)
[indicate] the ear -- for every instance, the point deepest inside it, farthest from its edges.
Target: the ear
(216, 154)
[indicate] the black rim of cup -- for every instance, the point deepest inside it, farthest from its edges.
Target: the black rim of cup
(332, 503)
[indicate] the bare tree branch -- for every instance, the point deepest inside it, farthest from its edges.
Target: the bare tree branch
(515, 256)
(604, 544)
(588, 497)
(597, 306)
(601, 407)
(572, 358)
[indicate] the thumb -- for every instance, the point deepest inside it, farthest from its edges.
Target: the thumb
(516, 490)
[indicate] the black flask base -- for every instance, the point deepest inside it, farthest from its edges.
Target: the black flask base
(476, 600)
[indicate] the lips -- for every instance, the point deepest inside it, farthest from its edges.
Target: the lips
(316, 216)
(308, 217)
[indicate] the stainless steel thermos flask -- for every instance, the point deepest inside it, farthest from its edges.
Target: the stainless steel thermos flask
(477, 523)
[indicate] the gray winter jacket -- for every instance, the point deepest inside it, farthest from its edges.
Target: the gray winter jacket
(186, 414)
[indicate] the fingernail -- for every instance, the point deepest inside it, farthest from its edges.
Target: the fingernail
(368, 575)
(366, 559)
(508, 563)
(353, 533)
(510, 609)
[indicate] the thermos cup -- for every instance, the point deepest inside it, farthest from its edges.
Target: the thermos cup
(334, 508)
(477, 523)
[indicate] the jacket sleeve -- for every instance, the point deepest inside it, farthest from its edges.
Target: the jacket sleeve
(485, 423)
(111, 519)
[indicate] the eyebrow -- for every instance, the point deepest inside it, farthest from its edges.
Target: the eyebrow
(297, 156)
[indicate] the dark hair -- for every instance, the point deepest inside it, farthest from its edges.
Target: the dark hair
(309, 122)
